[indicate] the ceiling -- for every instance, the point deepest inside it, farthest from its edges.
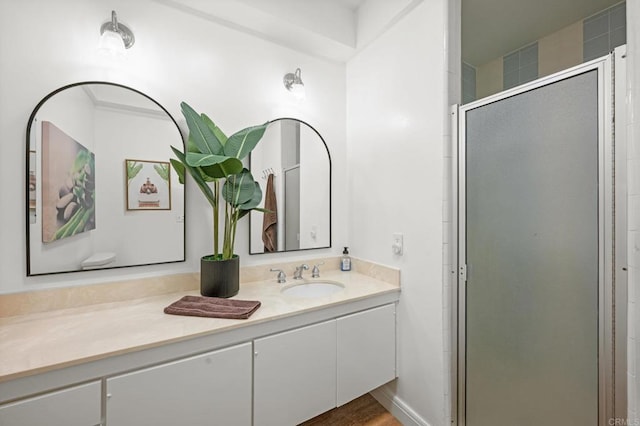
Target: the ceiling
(330, 29)
(493, 28)
(122, 99)
(348, 4)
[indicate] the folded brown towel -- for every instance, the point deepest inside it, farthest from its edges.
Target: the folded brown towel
(214, 307)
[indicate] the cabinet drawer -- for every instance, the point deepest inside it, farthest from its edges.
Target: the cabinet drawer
(77, 406)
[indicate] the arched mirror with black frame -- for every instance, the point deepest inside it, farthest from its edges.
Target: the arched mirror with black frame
(293, 167)
(100, 191)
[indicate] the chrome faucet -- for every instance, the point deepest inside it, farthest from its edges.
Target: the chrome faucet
(282, 277)
(297, 275)
(315, 273)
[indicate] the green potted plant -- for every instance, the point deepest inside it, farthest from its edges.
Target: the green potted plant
(214, 161)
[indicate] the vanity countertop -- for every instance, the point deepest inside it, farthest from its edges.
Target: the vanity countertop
(42, 342)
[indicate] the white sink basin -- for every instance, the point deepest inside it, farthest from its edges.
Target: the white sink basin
(313, 289)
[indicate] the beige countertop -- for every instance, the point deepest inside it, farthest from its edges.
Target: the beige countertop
(41, 342)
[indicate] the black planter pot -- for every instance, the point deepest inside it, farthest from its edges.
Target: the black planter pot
(219, 278)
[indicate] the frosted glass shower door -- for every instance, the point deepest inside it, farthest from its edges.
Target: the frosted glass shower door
(531, 246)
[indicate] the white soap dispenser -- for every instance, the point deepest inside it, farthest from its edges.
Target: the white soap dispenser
(345, 262)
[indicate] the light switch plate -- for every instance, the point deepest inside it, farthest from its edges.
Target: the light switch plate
(397, 244)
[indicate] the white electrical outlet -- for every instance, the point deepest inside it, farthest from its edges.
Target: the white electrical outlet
(397, 244)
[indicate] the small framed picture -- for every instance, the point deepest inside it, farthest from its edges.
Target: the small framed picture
(148, 184)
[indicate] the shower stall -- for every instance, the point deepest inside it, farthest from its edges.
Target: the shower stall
(541, 294)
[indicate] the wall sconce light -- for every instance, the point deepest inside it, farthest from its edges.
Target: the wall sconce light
(293, 83)
(115, 37)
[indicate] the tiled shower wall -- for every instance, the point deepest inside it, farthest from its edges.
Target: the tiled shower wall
(580, 42)
(603, 32)
(468, 83)
(520, 66)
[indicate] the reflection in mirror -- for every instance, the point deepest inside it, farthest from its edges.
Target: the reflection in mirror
(100, 191)
(293, 166)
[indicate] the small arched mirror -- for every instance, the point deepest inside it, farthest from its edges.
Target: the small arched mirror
(100, 189)
(293, 166)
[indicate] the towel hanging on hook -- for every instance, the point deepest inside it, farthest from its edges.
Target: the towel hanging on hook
(270, 218)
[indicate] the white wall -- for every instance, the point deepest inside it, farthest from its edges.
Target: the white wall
(143, 236)
(314, 204)
(395, 125)
(232, 76)
(375, 16)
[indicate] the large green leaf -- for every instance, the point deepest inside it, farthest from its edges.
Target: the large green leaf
(197, 177)
(240, 144)
(215, 129)
(179, 168)
(239, 188)
(196, 159)
(219, 171)
(209, 173)
(252, 204)
(212, 173)
(191, 145)
(199, 132)
(255, 199)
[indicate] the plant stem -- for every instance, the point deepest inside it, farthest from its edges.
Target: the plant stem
(227, 229)
(229, 233)
(236, 214)
(216, 198)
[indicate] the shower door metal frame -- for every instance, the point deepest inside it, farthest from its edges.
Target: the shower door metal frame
(611, 250)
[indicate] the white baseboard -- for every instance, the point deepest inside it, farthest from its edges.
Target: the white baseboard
(398, 408)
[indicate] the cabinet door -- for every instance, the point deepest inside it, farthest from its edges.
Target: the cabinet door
(209, 389)
(77, 406)
(366, 351)
(295, 375)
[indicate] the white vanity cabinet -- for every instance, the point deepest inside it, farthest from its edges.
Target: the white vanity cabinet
(76, 406)
(304, 372)
(366, 351)
(209, 389)
(277, 371)
(295, 375)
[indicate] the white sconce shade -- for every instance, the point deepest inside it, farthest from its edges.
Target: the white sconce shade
(115, 37)
(111, 44)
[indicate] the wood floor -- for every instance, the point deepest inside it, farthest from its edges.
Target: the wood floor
(364, 411)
